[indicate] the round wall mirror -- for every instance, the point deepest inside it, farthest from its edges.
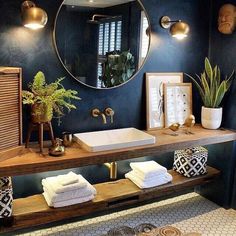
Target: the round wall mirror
(101, 43)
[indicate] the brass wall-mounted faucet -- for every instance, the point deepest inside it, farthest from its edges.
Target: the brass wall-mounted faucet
(96, 112)
(107, 112)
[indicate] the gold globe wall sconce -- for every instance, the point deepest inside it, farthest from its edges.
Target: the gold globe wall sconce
(33, 17)
(178, 28)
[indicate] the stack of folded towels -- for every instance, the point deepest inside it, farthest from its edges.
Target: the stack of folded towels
(66, 190)
(148, 174)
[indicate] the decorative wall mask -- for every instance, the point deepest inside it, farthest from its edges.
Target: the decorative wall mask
(227, 19)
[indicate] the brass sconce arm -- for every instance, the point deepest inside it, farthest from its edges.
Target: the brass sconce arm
(178, 28)
(165, 22)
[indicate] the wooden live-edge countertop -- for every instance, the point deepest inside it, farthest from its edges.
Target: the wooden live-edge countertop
(29, 161)
(33, 210)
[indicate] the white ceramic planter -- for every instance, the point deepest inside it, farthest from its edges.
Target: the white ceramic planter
(211, 117)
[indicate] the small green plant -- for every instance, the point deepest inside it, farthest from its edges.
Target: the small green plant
(48, 99)
(118, 68)
(211, 88)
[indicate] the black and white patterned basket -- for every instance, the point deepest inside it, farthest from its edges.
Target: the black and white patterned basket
(5, 181)
(191, 162)
(6, 197)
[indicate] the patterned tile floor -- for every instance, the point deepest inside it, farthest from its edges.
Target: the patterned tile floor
(189, 213)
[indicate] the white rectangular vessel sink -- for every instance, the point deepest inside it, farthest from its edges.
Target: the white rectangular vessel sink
(113, 139)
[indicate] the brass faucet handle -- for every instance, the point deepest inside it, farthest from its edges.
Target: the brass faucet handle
(95, 112)
(109, 112)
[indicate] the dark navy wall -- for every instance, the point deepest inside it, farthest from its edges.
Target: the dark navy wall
(223, 53)
(34, 50)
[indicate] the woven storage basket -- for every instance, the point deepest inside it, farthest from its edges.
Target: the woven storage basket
(6, 202)
(191, 162)
(6, 198)
(5, 181)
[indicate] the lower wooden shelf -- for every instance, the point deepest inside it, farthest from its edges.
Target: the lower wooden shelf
(33, 210)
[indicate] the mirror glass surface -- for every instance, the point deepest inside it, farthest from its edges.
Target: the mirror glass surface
(101, 43)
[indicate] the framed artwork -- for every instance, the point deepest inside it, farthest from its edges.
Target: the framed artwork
(178, 102)
(155, 96)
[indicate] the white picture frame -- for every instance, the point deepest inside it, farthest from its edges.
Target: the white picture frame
(155, 97)
(178, 102)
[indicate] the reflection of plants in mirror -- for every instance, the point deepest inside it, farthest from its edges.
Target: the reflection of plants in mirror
(118, 68)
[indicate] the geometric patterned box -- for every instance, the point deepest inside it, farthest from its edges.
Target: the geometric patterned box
(5, 181)
(6, 197)
(191, 161)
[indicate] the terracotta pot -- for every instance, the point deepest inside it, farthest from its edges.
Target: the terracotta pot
(41, 113)
(211, 117)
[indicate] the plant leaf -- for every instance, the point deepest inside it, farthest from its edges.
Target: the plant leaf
(206, 89)
(210, 87)
(38, 82)
(208, 70)
(230, 79)
(198, 87)
(220, 94)
(218, 77)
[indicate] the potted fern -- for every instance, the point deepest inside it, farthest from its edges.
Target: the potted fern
(47, 99)
(212, 90)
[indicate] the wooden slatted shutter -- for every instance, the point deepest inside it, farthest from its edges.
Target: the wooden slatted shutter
(10, 107)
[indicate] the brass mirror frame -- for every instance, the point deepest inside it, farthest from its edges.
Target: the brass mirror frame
(60, 59)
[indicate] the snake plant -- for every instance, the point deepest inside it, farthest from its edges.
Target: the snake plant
(211, 88)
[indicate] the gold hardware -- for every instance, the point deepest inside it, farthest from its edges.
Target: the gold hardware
(189, 123)
(33, 17)
(178, 29)
(165, 22)
(96, 112)
(109, 112)
(57, 149)
(112, 166)
(67, 139)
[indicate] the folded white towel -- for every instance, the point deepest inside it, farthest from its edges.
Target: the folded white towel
(147, 178)
(57, 197)
(148, 168)
(163, 179)
(68, 202)
(57, 187)
(67, 179)
(81, 192)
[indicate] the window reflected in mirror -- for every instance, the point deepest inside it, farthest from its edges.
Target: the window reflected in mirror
(101, 44)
